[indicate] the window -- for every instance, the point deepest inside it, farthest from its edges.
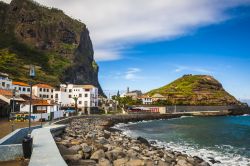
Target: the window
(44, 96)
(80, 95)
(41, 89)
(40, 95)
(24, 89)
(80, 102)
(47, 90)
(44, 90)
(28, 89)
(85, 104)
(51, 90)
(86, 95)
(3, 84)
(70, 90)
(86, 90)
(51, 96)
(69, 96)
(56, 96)
(20, 88)
(47, 96)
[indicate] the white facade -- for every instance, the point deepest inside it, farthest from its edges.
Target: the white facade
(5, 82)
(43, 91)
(24, 108)
(147, 100)
(21, 88)
(87, 95)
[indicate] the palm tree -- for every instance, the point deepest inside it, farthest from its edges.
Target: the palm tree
(75, 99)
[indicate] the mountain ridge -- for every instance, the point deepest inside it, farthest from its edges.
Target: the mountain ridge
(34, 34)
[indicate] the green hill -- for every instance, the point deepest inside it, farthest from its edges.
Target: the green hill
(195, 90)
(45, 37)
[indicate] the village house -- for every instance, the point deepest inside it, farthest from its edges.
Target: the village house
(86, 97)
(38, 106)
(157, 97)
(21, 88)
(146, 100)
(5, 82)
(6, 102)
(43, 91)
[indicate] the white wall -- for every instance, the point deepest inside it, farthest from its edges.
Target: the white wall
(5, 83)
(45, 93)
(85, 98)
(21, 89)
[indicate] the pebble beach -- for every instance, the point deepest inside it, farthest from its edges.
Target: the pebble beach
(91, 142)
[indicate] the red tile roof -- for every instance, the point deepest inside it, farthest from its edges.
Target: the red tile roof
(19, 83)
(5, 92)
(43, 86)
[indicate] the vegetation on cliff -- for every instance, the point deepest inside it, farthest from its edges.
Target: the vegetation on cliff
(195, 90)
(33, 34)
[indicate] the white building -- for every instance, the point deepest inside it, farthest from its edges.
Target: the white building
(146, 100)
(5, 82)
(21, 88)
(43, 91)
(85, 95)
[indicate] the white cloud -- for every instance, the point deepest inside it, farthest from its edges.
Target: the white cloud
(192, 69)
(131, 74)
(121, 23)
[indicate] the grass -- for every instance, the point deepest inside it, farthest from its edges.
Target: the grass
(187, 90)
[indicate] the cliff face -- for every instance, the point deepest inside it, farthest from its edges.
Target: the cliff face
(195, 90)
(34, 34)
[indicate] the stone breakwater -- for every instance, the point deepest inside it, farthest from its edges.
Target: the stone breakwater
(88, 141)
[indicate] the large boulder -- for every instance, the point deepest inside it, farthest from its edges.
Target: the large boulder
(120, 162)
(104, 162)
(143, 141)
(135, 162)
(97, 155)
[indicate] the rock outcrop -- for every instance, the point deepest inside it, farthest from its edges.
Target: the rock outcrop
(195, 90)
(34, 34)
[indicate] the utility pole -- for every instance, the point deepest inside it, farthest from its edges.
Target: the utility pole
(32, 75)
(13, 107)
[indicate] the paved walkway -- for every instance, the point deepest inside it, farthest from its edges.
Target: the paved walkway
(45, 151)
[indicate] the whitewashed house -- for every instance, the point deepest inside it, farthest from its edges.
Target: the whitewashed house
(146, 100)
(21, 88)
(5, 82)
(43, 91)
(85, 95)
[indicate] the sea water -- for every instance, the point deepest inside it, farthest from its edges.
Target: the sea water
(225, 138)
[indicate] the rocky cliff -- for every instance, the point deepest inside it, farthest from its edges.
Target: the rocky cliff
(34, 34)
(195, 90)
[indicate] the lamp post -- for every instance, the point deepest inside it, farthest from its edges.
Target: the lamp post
(60, 110)
(32, 75)
(13, 107)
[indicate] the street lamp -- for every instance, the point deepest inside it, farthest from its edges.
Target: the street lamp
(13, 107)
(32, 75)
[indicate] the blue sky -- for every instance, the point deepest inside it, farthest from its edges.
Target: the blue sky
(146, 44)
(221, 50)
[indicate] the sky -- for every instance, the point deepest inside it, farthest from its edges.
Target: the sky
(146, 44)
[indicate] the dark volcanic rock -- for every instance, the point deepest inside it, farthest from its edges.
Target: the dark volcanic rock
(60, 45)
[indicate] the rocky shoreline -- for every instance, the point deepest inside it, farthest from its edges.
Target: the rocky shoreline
(88, 141)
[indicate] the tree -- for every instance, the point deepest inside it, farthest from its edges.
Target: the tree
(118, 94)
(75, 99)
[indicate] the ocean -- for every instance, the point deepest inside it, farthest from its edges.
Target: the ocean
(224, 138)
